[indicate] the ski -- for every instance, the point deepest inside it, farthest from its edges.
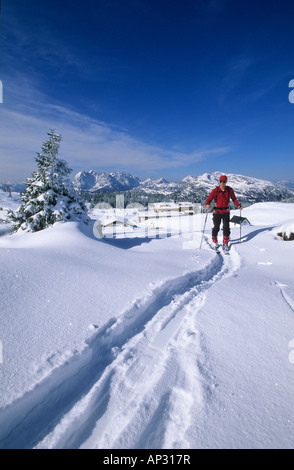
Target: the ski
(226, 249)
(219, 249)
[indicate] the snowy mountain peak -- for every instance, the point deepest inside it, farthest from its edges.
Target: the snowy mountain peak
(94, 181)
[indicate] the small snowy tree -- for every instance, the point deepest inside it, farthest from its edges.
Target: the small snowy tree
(50, 196)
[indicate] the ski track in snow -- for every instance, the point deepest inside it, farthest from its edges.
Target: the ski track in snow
(287, 299)
(101, 398)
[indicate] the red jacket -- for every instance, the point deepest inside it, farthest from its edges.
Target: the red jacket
(222, 199)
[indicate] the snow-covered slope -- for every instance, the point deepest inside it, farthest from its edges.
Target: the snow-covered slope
(148, 343)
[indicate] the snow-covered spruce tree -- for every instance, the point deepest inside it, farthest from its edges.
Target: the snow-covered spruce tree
(50, 195)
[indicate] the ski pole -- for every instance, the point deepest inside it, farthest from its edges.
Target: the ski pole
(240, 225)
(203, 229)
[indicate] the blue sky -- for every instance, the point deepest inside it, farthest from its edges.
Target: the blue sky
(152, 87)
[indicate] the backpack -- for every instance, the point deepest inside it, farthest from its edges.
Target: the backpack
(227, 189)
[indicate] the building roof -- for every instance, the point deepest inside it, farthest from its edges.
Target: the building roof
(118, 220)
(236, 219)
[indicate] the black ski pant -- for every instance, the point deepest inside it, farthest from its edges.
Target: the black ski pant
(216, 224)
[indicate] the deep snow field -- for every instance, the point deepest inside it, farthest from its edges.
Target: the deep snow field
(148, 343)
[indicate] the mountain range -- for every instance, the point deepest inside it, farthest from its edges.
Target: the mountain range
(191, 188)
(94, 181)
(194, 188)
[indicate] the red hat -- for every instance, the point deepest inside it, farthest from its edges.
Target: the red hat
(223, 177)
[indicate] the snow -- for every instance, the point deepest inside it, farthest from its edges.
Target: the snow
(141, 342)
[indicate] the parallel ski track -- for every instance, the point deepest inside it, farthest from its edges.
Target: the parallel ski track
(148, 363)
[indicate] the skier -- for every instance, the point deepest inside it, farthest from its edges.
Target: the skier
(222, 194)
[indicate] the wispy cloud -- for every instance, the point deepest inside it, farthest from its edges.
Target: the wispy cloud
(27, 114)
(240, 82)
(233, 76)
(86, 144)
